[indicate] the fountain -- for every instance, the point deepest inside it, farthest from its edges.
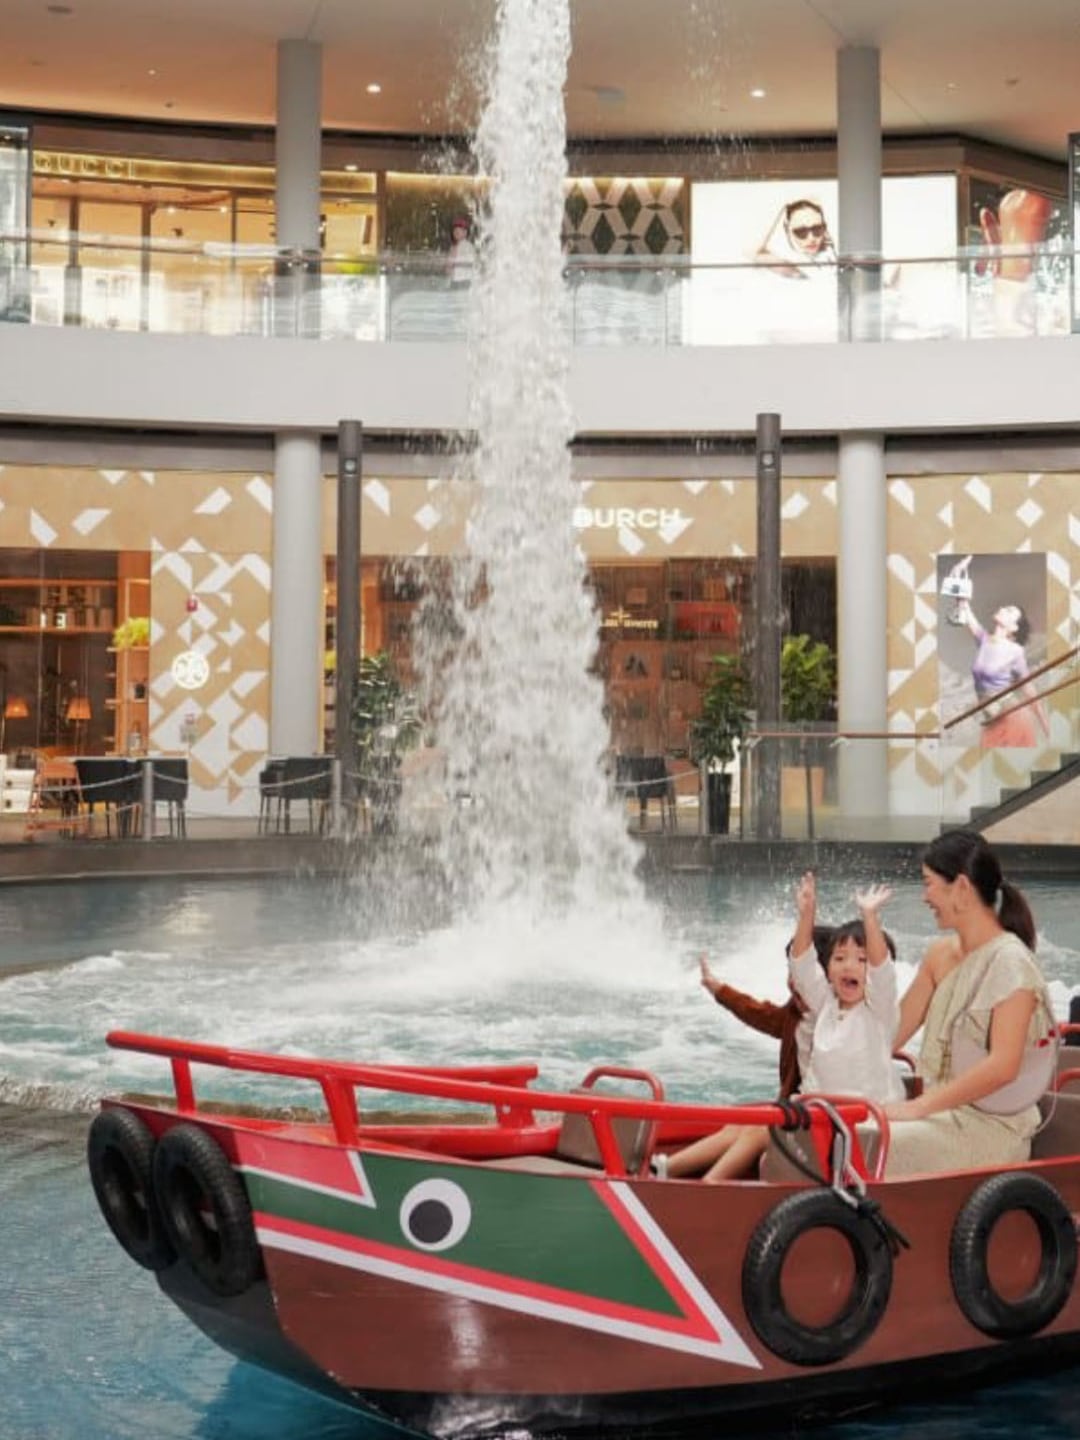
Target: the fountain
(537, 837)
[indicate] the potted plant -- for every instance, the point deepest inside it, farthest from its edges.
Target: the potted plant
(133, 633)
(714, 735)
(807, 696)
(386, 722)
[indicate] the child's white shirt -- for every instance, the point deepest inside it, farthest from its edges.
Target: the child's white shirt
(852, 1048)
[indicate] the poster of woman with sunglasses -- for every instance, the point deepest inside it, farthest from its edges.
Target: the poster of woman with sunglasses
(798, 237)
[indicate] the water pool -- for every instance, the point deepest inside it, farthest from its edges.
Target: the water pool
(89, 1348)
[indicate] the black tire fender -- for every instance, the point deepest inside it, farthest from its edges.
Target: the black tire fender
(206, 1211)
(969, 1244)
(788, 1338)
(120, 1156)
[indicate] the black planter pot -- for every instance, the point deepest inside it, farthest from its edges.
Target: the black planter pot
(718, 791)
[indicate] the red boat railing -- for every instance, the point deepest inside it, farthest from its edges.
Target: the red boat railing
(503, 1087)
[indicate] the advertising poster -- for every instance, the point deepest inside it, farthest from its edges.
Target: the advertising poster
(1022, 286)
(991, 634)
(764, 255)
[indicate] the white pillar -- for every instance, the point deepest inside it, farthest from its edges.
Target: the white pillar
(298, 144)
(296, 638)
(862, 592)
(858, 151)
(862, 586)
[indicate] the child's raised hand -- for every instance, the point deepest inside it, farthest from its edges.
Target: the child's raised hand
(873, 898)
(806, 896)
(708, 979)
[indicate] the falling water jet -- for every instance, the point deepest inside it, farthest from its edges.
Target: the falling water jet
(508, 650)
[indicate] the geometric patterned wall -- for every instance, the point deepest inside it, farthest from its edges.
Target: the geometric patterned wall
(959, 515)
(209, 535)
(614, 520)
(625, 216)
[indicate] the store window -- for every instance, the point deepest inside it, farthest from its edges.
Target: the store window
(134, 243)
(14, 202)
(660, 625)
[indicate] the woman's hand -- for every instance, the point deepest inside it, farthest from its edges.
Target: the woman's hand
(708, 979)
(907, 1109)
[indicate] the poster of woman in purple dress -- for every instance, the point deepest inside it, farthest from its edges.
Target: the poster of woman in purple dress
(991, 634)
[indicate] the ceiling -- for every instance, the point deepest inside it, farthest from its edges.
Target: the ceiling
(999, 70)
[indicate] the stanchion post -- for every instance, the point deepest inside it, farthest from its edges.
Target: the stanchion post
(337, 818)
(147, 799)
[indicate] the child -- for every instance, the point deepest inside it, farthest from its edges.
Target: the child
(735, 1149)
(855, 1006)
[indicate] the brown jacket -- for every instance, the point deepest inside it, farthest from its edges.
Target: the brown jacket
(779, 1021)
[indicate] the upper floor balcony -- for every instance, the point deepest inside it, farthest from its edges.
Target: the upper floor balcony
(167, 333)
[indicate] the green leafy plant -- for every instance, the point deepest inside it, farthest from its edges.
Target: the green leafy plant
(807, 696)
(725, 713)
(132, 632)
(386, 722)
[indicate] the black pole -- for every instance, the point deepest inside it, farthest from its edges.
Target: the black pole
(768, 615)
(347, 639)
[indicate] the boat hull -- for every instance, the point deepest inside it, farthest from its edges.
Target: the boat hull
(587, 1301)
(461, 1281)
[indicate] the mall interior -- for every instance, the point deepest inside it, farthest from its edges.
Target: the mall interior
(222, 235)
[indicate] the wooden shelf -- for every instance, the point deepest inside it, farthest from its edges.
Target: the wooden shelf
(30, 597)
(56, 629)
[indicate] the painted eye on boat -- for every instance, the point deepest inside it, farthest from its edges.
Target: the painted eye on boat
(435, 1214)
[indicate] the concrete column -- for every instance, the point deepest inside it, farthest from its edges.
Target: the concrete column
(862, 590)
(296, 638)
(769, 624)
(298, 143)
(858, 169)
(862, 584)
(297, 204)
(296, 666)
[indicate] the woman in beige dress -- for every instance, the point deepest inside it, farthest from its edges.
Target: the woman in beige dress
(986, 1048)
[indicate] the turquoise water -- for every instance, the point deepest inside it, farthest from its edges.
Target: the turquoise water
(89, 1347)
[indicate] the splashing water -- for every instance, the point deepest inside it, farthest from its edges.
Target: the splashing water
(520, 716)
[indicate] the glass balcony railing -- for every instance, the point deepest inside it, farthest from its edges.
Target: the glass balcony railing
(102, 282)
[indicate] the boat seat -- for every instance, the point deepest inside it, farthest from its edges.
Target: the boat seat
(576, 1148)
(1060, 1134)
(777, 1169)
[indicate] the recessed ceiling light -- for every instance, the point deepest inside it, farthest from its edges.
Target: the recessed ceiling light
(757, 93)
(352, 165)
(59, 9)
(151, 72)
(374, 88)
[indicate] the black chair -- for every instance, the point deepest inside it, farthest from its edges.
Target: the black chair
(307, 777)
(171, 786)
(646, 776)
(114, 783)
(270, 795)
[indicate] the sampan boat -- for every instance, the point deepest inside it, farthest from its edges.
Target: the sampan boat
(525, 1268)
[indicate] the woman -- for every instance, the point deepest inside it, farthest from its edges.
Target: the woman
(985, 1053)
(798, 234)
(1000, 662)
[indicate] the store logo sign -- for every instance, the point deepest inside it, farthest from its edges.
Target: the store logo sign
(190, 670)
(627, 517)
